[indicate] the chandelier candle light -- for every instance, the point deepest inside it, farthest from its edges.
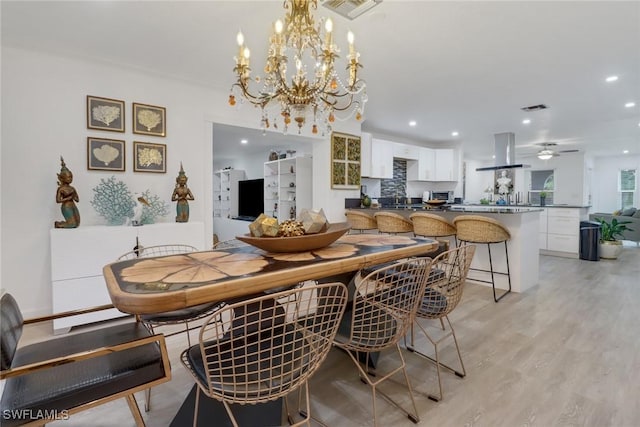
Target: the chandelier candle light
(320, 94)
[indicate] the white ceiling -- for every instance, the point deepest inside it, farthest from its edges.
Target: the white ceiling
(465, 66)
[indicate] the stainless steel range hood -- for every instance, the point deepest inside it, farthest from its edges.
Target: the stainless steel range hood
(505, 153)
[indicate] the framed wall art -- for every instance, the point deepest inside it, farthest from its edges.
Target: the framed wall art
(105, 154)
(149, 120)
(105, 114)
(345, 161)
(149, 157)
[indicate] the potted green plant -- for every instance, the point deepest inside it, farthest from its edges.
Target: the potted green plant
(543, 198)
(610, 246)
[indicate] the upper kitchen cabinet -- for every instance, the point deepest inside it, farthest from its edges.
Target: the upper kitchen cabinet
(433, 165)
(424, 168)
(404, 151)
(377, 157)
(445, 165)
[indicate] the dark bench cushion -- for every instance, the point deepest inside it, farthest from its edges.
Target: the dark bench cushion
(74, 384)
(188, 313)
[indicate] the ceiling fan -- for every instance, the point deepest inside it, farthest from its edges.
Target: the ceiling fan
(547, 150)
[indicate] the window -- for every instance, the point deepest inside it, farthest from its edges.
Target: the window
(541, 181)
(627, 187)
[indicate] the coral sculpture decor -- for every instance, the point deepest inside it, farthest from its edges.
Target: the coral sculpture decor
(113, 201)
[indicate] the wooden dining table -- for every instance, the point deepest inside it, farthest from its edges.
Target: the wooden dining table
(165, 283)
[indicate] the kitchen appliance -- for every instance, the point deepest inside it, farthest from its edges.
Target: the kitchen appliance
(425, 196)
(505, 153)
(442, 195)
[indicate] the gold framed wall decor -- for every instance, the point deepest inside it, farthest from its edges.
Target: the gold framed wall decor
(106, 154)
(345, 161)
(105, 114)
(149, 157)
(149, 120)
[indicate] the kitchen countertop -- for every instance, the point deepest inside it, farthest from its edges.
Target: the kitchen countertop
(534, 206)
(457, 208)
(494, 209)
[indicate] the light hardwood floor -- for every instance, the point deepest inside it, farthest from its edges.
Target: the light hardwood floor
(566, 352)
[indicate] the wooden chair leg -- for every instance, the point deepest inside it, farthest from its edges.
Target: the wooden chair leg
(135, 410)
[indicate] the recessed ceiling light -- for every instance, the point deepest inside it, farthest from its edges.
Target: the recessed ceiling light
(625, 151)
(412, 123)
(455, 133)
(611, 79)
(630, 104)
(526, 121)
(243, 141)
(493, 157)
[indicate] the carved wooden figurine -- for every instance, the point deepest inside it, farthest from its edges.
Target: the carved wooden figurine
(182, 195)
(67, 196)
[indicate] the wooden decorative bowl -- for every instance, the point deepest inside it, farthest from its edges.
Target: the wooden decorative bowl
(304, 243)
(435, 202)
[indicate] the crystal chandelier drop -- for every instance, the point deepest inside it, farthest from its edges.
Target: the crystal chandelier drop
(312, 90)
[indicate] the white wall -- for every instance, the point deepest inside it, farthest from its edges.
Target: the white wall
(252, 165)
(605, 181)
(332, 201)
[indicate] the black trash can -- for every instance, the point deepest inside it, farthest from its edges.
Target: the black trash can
(590, 240)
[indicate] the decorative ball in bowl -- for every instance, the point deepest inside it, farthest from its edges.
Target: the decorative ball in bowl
(435, 202)
(307, 242)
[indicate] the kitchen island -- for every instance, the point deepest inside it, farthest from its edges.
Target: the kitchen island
(523, 224)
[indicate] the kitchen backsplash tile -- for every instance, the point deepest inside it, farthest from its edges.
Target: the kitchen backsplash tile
(398, 185)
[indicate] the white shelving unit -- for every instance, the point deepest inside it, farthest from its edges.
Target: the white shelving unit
(287, 187)
(225, 192)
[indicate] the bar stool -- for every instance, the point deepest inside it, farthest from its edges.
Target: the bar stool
(392, 223)
(430, 225)
(361, 221)
(480, 229)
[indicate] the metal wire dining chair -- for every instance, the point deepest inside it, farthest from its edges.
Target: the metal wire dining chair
(261, 349)
(445, 284)
(384, 307)
(175, 317)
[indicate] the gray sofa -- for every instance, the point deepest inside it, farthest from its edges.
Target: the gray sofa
(633, 218)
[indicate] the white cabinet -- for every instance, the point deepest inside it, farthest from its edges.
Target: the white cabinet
(432, 165)
(79, 254)
(405, 151)
(381, 159)
(560, 233)
(543, 230)
(225, 192)
(287, 187)
(445, 165)
(423, 169)
(376, 157)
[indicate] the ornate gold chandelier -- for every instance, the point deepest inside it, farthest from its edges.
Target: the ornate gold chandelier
(317, 94)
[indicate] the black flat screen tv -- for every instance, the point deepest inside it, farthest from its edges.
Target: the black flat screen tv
(250, 198)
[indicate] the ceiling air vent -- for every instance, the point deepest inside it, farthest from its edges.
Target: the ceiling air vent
(535, 107)
(350, 8)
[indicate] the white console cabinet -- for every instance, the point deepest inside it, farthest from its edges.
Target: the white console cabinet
(560, 231)
(79, 254)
